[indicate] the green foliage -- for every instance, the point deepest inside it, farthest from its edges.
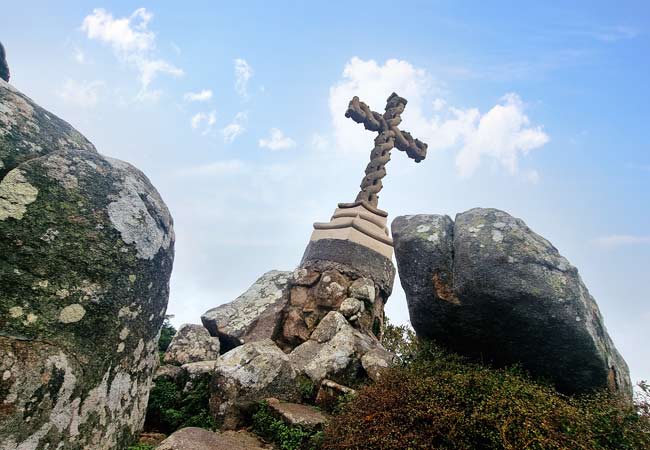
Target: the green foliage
(439, 401)
(399, 339)
(167, 332)
(170, 409)
(141, 447)
(306, 388)
(286, 437)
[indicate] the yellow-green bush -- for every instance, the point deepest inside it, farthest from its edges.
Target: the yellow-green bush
(441, 401)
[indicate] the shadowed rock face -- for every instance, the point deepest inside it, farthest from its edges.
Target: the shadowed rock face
(86, 250)
(487, 286)
(4, 67)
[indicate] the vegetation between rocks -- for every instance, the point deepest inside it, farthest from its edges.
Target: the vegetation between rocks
(286, 437)
(439, 401)
(170, 409)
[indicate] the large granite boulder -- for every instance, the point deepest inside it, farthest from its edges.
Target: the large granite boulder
(254, 315)
(191, 343)
(247, 374)
(487, 286)
(86, 250)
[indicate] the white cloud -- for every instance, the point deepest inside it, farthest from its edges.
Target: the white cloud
(235, 128)
(502, 134)
(277, 141)
(618, 240)
(243, 73)
(205, 120)
(132, 42)
(85, 94)
(79, 55)
(226, 167)
(202, 96)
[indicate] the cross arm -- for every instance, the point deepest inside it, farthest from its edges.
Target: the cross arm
(414, 148)
(361, 113)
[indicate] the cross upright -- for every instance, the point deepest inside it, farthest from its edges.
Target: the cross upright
(389, 136)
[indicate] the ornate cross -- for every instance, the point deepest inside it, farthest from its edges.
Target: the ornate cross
(389, 136)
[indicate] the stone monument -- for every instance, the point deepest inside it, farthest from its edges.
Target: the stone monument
(353, 251)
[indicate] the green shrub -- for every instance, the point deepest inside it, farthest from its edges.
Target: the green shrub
(399, 339)
(440, 401)
(167, 332)
(170, 409)
(286, 437)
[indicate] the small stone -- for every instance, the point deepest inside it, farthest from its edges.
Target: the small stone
(351, 307)
(363, 289)
(192, 438)
(298, 415)
(192, 343)
(305, 277)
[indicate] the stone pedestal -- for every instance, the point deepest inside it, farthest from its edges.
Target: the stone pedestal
(360, 223)
(346, 267)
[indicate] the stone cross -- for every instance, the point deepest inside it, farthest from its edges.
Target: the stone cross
(389, 136)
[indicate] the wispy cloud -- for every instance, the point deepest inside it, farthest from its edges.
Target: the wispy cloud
(235, 128)
(84, 94)
(243, 73)
(619, 240)
(607, 33)
(503, 134)
(204, 121)
(277, 141)
(132, 42)
(226, 167)
(202, 96)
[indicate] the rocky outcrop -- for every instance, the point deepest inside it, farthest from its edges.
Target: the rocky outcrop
(86, 250)
(192, 438)
(335, 350)
(487, 286)
(253, 316)
(246, 375)
(192, 343)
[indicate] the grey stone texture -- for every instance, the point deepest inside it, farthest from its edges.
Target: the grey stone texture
(246, 375)
(254, 315)
(192, 438)
(192, 343)
(86, 250)
(487, 286)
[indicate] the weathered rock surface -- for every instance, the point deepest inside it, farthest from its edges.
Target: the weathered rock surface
(192, 438)
(253, 316)
(296, 414)
(248, 374)
(335, 351)
(86, 250)
(4, 67)
(315, 293)
(192, 343)
(488, 286)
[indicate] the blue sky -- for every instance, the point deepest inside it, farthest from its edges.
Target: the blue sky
(235, 112)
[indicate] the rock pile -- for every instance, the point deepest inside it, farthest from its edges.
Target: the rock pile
(288, 329)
